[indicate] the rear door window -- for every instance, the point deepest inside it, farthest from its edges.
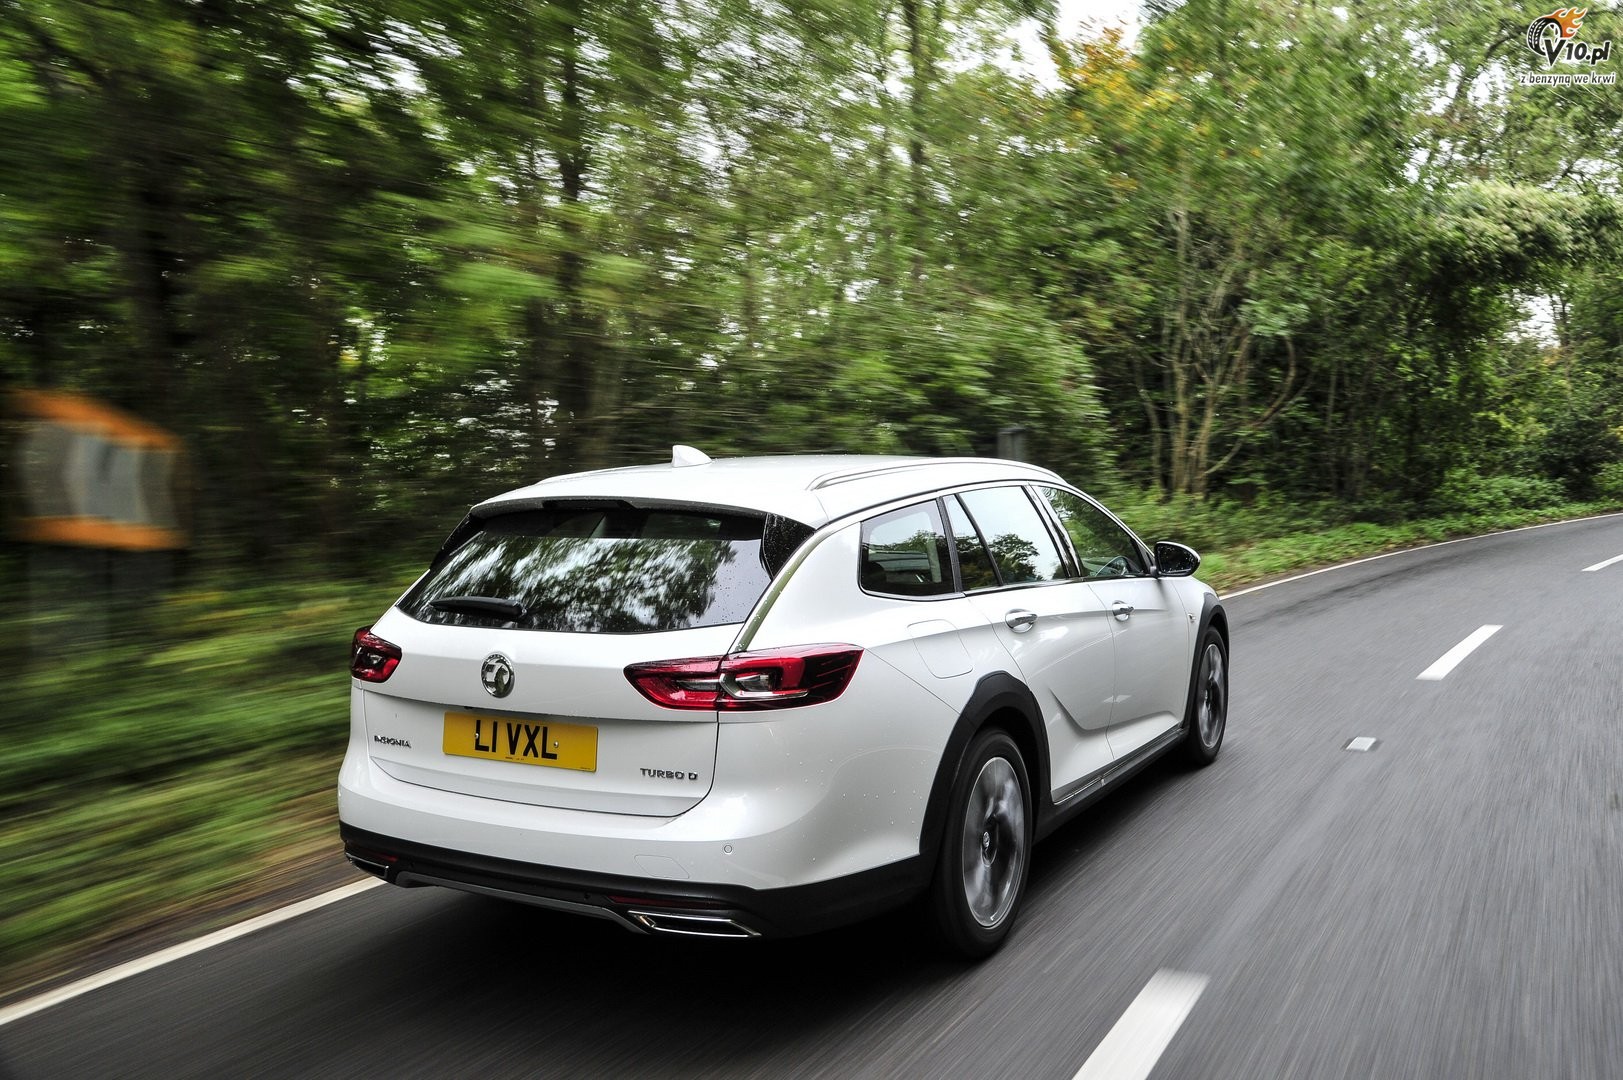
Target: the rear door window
(1021, 545)
(606, 570)
(974, 563)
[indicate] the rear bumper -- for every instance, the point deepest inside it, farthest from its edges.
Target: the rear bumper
(813, 818)
(644, 905)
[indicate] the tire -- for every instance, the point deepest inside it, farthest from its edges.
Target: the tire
(1208, 711)
(1536, 31)
(985, 856)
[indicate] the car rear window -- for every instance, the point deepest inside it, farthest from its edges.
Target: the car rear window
(606, 570)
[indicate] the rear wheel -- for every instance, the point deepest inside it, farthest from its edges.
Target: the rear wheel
(1209, 703)
(985, 855)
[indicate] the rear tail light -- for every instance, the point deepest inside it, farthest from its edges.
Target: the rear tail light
(372, 659)
(770, 679)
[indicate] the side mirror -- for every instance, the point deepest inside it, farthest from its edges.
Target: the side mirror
(1175, 560)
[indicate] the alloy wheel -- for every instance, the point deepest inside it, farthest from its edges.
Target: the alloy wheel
(994, 843)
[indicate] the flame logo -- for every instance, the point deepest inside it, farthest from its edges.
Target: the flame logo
(1569, 19)
(1552, 37)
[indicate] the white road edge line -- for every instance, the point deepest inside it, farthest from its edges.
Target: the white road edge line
(177, 952)
(1409, 551)
(1451, 659)
(1603, 564)
(1130, 1050)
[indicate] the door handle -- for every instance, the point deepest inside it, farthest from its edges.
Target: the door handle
(1020, 620)
(1121, 611)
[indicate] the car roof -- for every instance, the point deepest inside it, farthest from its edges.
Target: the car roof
(809, 488)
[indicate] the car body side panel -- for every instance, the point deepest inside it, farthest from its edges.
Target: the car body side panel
(1067, 658)
(943, 644)
(1152, 647)
(862, 794)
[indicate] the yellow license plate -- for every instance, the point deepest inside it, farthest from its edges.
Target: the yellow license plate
(528, 742)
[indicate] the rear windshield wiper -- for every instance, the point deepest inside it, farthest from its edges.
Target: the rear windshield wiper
(498, 606)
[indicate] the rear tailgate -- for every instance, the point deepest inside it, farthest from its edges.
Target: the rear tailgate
(571, 732)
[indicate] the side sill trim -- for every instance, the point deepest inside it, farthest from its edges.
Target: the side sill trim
(1118, 770)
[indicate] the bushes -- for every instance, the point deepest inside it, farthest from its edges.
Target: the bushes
(1244, 543)
(1609, 481)
(202, 675)
(1214, 522)
(1465, 491)
(175, 756)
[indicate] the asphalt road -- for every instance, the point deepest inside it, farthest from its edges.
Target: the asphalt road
(1446, 904)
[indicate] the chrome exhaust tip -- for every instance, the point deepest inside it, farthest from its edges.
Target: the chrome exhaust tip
(376, 869)
(685, 925)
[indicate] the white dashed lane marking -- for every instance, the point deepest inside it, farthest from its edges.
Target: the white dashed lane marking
(1603, 564)
(1451, 659)
(1140, 1037)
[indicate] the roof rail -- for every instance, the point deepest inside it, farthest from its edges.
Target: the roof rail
(845, 476)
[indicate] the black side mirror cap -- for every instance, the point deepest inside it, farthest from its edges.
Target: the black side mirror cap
(1175, 560)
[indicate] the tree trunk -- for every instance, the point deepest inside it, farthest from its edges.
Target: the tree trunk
(538, 367)
(576, 448)
(154, 270)
(918, 84)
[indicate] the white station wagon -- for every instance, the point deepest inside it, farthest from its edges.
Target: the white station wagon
(767, 696)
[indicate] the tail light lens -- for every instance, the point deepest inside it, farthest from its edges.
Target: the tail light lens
(372, 659)
(770, 679)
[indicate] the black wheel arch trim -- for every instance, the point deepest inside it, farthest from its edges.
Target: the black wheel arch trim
(998, 693)
(1211, 614)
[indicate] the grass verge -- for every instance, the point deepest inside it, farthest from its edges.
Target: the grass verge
(1257, 560)
(198, 788)
(164, 762)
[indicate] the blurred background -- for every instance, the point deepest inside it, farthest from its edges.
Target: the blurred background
(285, 286)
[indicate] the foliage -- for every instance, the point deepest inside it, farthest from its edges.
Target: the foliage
(267, 653)
(1609, 481)
(1465, 491)
(205, 759)
(359, 253)
(1307, 289)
